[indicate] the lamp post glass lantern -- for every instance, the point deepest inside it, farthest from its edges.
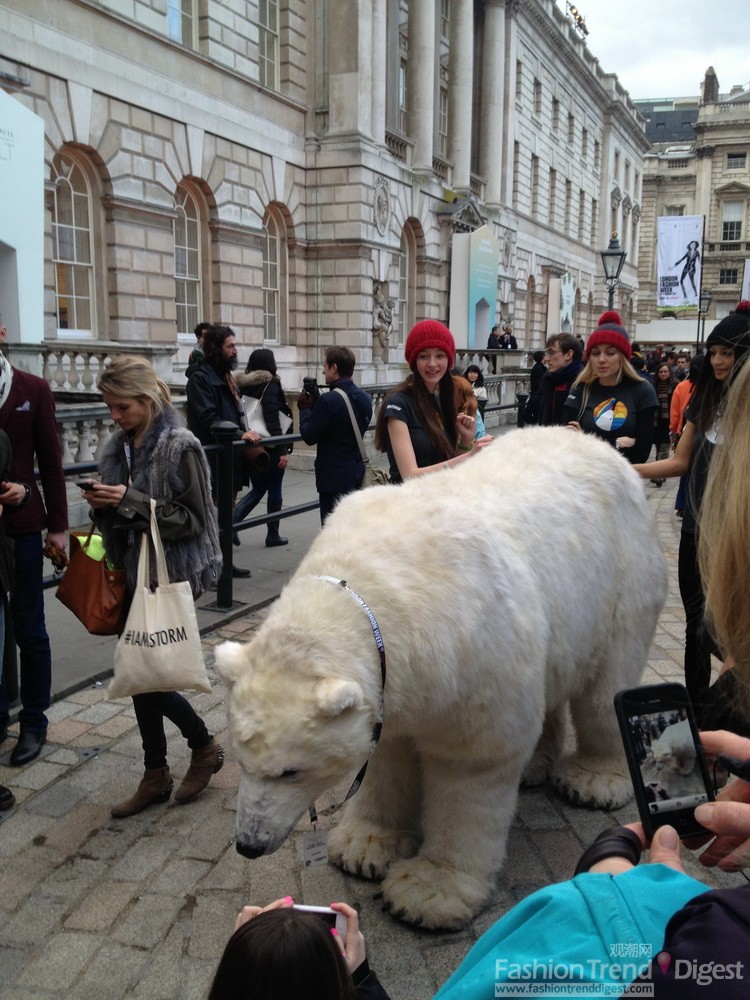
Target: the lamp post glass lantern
(613, 260)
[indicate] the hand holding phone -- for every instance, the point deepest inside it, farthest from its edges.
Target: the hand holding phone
(336, 921)
(86, 485)
(665, 758)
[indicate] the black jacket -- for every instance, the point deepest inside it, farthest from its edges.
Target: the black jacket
(555, 389)
(209, 399)
(338, 463)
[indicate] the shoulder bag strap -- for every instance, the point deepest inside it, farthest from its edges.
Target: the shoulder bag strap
(355, 426)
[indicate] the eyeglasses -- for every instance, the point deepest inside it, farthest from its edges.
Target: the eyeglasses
(551, 350)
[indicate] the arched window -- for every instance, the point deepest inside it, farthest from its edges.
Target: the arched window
(187, 262)
(72, 246)
(275, 270)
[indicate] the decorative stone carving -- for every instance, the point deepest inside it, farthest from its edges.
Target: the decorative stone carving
(382, 319)
(382, 206)
(616, 197)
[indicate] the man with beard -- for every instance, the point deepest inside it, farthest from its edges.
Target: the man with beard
(212, 395)
(563, 358)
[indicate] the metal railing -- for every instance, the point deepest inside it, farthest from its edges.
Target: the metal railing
(226, 444)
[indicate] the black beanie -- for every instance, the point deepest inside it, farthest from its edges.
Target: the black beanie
(733, 330)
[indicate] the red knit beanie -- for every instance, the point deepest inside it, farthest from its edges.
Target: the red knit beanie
(609, 330)
(429, 333)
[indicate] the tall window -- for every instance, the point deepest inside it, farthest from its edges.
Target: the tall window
(571, 129)
(443, 122)
(581, 214)
(584, 144)
(537, 96)
(72, 246)
(181, 21)
(274, 277)
(552, 198)
(736, 161)
(731, 226)
(534, 186)
(555, 114)
(568, 206)
(187, 261)
(594, 221)
(445, 19)
(268, 43)
(597, 154)
(402, 106)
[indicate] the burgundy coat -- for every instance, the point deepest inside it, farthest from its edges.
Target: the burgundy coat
(28, 418)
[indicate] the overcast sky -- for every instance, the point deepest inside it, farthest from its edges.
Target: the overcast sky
(662, 48)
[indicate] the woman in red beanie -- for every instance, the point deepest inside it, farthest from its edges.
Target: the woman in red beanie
(418, 426)
(609, 398)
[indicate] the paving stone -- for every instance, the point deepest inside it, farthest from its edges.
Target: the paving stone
(68, 731)
(56, 800)
(149, 921)
(102, 906)
(36, 918)
(61, 960)
(180, 876)
(39, 774)
(143, 859)
(112, 974)
(20, 877)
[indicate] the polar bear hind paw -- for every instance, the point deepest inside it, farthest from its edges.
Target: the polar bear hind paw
(588, 781)
(367, 850)
(423, 893)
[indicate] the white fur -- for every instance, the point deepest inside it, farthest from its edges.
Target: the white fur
(528, 577)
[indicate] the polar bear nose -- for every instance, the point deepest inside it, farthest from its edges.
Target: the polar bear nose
(249, 852)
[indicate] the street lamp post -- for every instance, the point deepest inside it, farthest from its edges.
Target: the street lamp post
(613, 259)
(705, 302)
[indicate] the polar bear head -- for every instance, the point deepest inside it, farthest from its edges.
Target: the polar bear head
(299, 727)
(674, 750)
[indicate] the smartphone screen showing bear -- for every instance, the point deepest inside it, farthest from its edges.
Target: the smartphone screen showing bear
(664, 755)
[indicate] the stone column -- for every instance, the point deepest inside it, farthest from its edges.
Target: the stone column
(460, 85)
(350, 65)
(492, 134)
(421, 81)
(379, 55)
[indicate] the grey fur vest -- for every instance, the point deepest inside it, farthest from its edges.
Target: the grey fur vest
(154, 472)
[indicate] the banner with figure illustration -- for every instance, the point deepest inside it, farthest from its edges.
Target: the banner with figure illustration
(679, 242)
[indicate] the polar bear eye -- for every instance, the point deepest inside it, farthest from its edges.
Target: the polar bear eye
(289, 774)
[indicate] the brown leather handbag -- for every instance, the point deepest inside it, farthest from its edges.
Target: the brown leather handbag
(89, 588)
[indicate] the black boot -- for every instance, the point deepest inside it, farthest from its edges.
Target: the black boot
(273, 537)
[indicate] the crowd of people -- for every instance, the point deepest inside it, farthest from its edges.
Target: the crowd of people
(694, 411)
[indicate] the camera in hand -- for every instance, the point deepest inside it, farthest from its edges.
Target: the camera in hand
(310, 386)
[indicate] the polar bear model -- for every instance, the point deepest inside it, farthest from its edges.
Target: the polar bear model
(525, 579)
(674, 751)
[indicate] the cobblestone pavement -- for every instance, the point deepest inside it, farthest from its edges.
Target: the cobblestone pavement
(92, 907)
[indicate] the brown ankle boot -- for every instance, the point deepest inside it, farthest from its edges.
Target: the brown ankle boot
(156, 786)
(204, 762)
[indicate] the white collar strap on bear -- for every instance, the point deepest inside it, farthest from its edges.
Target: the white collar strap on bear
(378, 726)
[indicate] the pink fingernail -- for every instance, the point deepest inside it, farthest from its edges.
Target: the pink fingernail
(288, 899)
(334, 932)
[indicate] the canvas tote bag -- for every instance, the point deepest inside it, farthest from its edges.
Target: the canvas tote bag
(373, 475)
(254, 415)
(160, 646)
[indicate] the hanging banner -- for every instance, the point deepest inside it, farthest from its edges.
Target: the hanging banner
(679, 262)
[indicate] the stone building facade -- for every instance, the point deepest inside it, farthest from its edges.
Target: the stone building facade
(708, 175)
(297, 168)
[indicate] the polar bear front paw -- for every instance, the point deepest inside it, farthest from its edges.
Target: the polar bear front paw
(593, 781)
(367, 850)
(421, 892)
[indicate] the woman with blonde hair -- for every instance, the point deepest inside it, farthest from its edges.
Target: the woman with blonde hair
(152, 455)
(609, 398)
(727, 348)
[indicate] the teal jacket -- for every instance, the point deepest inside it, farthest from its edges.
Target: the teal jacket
(595, 928)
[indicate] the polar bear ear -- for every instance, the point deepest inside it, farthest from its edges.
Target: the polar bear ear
(332, 697)
(230, 661)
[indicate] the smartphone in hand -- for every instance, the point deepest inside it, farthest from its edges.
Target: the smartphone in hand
(85, 484)
(332, 918)
(667, 766)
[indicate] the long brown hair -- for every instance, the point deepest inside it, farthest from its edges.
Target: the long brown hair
(444, 439)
